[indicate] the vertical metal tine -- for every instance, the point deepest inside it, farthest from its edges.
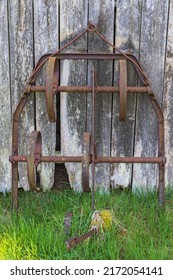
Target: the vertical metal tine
(93, 135)
(123, 90)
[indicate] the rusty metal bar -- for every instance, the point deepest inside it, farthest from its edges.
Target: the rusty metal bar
(161, 147)
(74, 241)
(63, 159)
(84, 89)
(123, 90)
(93, 136)
(15, 140)
(130, 160)
(86, 159)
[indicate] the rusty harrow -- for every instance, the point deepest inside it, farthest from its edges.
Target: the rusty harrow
(89, 155)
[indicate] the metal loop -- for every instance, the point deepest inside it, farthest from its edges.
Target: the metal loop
(33, 159)
(51, 82)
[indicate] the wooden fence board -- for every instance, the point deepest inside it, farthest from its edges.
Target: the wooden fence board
(168, 100)
(73, 105)
(127, 36)
(46, 40)
(101, 14)
(5, 111)
(27, 32)
(152, 56)
(21, 64)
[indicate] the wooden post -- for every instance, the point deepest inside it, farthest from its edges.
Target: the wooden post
(168, 100)
(5, 111)
(152, 56)
(46, 40)
(101, 14)
(21, 64)
(127, 36)
(73, 18)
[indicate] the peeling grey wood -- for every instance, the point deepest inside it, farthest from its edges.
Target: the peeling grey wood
(152, 56)
(46, 40)
(101, 14)
(127, 36)
(73, 18)
(21, 59)
(168, 101)
(5, 111)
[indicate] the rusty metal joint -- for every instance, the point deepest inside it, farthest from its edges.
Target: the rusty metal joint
(27, 88)
(91, 27)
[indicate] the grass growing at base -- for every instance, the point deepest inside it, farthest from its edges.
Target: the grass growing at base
(36, 232)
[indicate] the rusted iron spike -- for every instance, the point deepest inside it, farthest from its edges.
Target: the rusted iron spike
(123, 89)
(52, 77)
(74, 241)
(93, 136)
(67, 222)
(86, 160)
(63, 159)
(33, 159)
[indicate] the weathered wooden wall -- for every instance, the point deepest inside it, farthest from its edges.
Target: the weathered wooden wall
(29, 29)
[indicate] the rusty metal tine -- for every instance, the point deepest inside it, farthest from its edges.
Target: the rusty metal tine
(123, 89)
(86, 159)
(93, 135)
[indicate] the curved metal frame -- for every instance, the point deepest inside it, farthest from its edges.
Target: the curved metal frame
(53, 87)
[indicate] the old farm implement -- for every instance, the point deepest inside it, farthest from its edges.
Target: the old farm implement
(89, 155)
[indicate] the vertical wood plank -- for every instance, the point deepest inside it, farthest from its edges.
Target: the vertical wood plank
(168, 100)
(73, 19)
(101, 14)
(46, 40)
(21, 59)
(127, 37)
(5, 111)
(152, 56)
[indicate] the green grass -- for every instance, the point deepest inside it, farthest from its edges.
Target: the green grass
(36, 231)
